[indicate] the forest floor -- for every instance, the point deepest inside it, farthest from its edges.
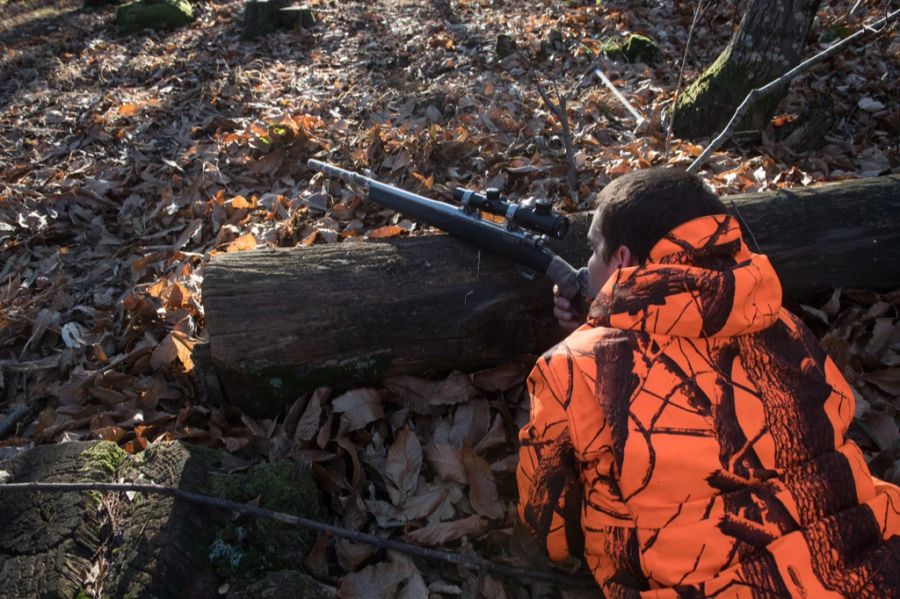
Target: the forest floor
(127, 161)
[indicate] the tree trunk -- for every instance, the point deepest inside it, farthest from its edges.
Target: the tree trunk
(769, 42)
(282, 322)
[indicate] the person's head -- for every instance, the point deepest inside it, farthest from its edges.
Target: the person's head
(635, 211)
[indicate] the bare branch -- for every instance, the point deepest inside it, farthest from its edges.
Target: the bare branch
(472, 562)
(754, 94)
(687, 47)
(637, 115)
(561, 113)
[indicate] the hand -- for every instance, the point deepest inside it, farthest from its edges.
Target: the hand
(562, 311)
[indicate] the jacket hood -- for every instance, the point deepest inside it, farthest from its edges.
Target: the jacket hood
(700, 280)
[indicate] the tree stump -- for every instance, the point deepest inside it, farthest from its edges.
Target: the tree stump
(282, 322)
(265, 16)
(768, 43)
(153, 545)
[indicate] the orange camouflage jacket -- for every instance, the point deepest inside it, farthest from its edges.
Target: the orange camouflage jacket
(690, 439)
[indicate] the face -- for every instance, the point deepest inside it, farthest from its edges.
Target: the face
(598, 270)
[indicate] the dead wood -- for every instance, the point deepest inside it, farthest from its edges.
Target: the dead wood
(282, 322)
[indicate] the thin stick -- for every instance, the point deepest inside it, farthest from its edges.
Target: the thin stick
(687, 47)
(562, 115)
(637, 115)
(468, 561)
(19, 366)
(776, 83)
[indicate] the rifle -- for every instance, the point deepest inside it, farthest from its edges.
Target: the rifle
(522, 239)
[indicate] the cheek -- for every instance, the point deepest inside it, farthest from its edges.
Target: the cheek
(598, 273)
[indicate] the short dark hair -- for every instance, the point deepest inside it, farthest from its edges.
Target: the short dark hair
(639, 208)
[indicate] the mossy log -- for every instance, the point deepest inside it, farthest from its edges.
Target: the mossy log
(282, 322)
(768, 43)
(152, 545)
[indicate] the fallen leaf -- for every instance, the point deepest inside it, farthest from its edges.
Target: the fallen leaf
(423, 396)
(501, 377)
(358, 407)
(173, 347)
(243, 243)
(887, 379)
(482, 489)
(882, 428)
(446, 460)
(385, 232)
(401, 469)
(308, 425)
(443, 532)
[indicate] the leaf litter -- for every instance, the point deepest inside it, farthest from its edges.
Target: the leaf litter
(127, 162)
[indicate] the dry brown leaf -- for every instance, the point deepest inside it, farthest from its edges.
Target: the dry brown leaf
(887, 379)
(500, 378)
(882, 428)
(129, 109)
(358, 407)
(386, 231)
(423, 396)
(316, 561)
(446, 460)
(443, 532)
(470, 422)
(308, 425)
(482, 489)
(378, 580)
(350, 555)
(401, 469)
(421, 506)
(495, 437)
(173, 347)
(243, 243)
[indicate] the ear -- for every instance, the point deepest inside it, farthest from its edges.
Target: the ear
(623, 257)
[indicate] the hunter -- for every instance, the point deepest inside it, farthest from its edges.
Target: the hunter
(690, 438)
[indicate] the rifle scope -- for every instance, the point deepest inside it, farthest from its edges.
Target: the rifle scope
(537, 215)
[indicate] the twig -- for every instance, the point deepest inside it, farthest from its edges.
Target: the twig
(468, 561)
(637, 115)
(687, 47)
(754, 94)
(562, 116)
(19, 366)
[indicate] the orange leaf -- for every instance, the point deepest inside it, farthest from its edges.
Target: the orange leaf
(129, 109)
(240, 202)
(173, 347)
(245, 242)
(310, 239)
(386, 231)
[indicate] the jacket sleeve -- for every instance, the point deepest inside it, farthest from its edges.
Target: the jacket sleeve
(550, 488)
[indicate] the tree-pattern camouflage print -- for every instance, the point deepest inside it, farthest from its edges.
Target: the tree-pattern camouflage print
(690, 439)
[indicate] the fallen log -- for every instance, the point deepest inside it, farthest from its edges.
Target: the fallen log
(282, 322)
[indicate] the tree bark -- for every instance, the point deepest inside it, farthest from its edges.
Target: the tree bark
(769, 42)
(282, 322)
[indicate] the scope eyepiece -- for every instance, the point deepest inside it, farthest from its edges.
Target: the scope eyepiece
(537, 215)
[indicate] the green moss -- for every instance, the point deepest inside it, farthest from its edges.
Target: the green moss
(102, 459)
(634, 48)
(705, 106)
(153, 14)
(279, 384)
(250, 547)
